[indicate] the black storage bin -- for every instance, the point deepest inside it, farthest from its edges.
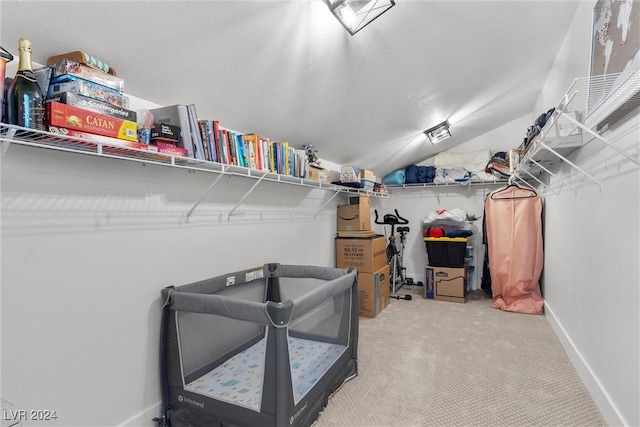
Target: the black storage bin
(446, 251)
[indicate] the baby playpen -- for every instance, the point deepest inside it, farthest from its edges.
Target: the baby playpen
(261, 347)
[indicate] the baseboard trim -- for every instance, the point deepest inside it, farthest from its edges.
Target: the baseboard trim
(600, 396)
(144, 418)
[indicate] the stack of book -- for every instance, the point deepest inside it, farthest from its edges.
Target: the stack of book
(85, 100)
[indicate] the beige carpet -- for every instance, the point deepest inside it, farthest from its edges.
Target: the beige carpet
(430, 363)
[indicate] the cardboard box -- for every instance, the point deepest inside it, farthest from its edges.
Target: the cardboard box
(367, 174)
(82, 58)
(449, 284)
(355, 217)
(350, 173)
(365, 255)
(373, 292)
(360, 200)
(319, 174)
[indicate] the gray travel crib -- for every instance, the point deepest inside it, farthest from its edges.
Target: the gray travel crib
(261, 347)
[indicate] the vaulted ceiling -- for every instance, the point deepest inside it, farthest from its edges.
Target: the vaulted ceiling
(289, 71)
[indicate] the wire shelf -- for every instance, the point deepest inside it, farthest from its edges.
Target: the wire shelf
(10, 134)
(125, 151)
(589, 107)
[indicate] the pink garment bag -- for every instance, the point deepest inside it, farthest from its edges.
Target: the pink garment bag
(513, 222)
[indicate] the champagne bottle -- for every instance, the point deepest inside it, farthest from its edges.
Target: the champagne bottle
(25, 104)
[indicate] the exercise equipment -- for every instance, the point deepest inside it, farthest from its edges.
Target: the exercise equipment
(394, 255)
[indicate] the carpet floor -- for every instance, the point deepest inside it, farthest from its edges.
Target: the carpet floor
(430, 363)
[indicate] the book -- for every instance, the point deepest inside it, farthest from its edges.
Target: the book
(198, 148)
(272, 157)
(176, 115)
(66, 116)
(209, 140)
(216, 136)
(231, 152)
(202, 128)
(242, 152)
(251, 141)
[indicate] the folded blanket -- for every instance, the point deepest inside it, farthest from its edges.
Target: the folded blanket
(455, 175)
(472, 161)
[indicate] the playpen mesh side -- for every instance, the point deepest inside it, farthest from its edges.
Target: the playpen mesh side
(317, 337)
(328, 321)
(206, 339)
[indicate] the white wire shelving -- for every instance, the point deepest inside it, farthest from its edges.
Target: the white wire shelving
(10, 134)
(436, 185)
(590, 106)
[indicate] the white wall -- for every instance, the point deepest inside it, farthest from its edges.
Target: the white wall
(591, 277)
(415, 204)
(87, 245)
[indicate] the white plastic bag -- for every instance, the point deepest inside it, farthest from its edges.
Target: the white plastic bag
(454, 214)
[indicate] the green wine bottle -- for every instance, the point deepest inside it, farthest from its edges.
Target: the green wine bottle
(25, 104)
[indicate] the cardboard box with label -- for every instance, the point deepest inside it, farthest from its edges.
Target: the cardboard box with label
(449, 284)
(373, 291)
(355, 216)
(319, 174)
(365, 255)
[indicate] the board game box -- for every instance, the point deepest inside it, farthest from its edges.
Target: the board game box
(87, 88)
(67, 67)
(88, 103)
(70, 117)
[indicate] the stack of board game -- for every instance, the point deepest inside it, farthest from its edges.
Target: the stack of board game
(85, 100)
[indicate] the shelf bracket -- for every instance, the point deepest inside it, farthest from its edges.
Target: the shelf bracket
(326, 203)
(5, 147)
(564, 159)
(202, 198)
(245, 196)
(601, 139)
(6, 141)
(544, 186)
(553, 175)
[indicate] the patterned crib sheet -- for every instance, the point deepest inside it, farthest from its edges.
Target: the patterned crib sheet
(239, 379)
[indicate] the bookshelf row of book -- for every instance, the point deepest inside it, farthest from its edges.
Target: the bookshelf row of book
(207, 140)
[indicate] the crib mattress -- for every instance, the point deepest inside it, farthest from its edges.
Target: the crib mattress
(239, 379)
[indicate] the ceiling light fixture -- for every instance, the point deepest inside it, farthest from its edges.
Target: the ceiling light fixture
(438, 133)
(354, 15)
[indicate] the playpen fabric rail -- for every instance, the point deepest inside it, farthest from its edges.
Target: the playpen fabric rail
(196, 298)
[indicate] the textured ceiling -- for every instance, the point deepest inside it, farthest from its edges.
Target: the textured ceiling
(289, 71)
